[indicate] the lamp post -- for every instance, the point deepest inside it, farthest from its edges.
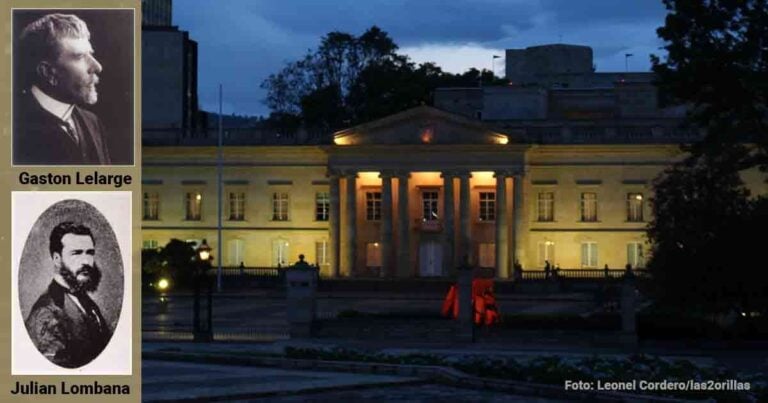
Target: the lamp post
(202, 331)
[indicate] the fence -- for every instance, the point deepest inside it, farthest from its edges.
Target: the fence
(581, 274)
(258, 277)
(274, 277)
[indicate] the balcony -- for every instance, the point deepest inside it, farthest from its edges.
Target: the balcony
(423, 225)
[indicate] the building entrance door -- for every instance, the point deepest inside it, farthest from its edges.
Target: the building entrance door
(430, 259)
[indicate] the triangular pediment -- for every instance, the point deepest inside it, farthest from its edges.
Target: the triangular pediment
(421, 125)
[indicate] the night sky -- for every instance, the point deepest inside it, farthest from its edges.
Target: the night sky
(241, 42)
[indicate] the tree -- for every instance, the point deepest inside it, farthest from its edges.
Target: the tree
(350, 80)
(317, 86)
(717, 63)
(699, 254)
(704, 257)
(174, 262)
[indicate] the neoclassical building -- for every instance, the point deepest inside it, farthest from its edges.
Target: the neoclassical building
(556, 167)
(409, 195)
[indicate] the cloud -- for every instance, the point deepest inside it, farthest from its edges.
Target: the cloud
(238, 49)
(408, 21)
(241, 42)
(457, 58)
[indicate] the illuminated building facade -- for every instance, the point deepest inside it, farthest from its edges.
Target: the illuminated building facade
(527, 173)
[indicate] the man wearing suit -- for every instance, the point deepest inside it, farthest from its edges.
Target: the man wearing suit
(58, 74)
(65, 324)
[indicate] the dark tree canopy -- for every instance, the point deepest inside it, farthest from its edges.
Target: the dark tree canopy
(707, 255)
(351, 79)
(174, 261)
(717, 62)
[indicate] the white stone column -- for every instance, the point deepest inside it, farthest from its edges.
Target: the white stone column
(465, 231)
(517, 213)
(334, 222)
(502, 242)
(386, 223)
(449, 230)
(403, 227)
(351, 215)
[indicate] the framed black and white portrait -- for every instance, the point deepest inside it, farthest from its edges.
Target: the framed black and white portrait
(73, 87)
(71, 283)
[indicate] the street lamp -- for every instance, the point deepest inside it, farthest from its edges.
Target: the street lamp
(203, 331)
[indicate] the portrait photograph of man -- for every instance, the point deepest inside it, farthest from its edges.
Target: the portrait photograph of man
(73, 87)
(72, 294)
(65, 324)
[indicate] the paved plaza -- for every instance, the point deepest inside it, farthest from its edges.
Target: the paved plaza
(177, 381)
(167, 381)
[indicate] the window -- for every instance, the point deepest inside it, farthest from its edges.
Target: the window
(194, 201)
(280, 253)
(321, 252)
(429, 206)
(546, 254)
(236, 252)
(151, 206)
(322, 206)
(279, 206)
(373, 206)
(589, 255)
(372, 255)
(487, 255)
(149, 244)
(487, 206)
(635, 255)
(589, 207)
(546, 206)
(237, 206)
(635, 207)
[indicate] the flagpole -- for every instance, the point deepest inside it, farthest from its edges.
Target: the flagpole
(219, 162)
(626, 62)
(493, 66)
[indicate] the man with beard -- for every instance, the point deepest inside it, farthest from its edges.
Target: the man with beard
(65, 324)
(58, 74)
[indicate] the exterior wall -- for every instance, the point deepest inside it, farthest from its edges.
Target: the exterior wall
(610, 171)
(162, 81)
(463, 101)
(169, 84)
(524, 64)
(156, 12)
(258, 179)
(504, 103)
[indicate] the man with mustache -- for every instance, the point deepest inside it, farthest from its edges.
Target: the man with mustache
(65, 324)
(58, 73)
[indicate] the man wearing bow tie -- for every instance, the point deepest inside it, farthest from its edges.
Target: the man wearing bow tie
(58, 73)
(65, 324)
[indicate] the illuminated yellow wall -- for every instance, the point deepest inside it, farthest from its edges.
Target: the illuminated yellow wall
(566, 170)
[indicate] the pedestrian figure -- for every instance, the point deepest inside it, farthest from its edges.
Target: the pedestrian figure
(547, 269)
(518, 270)
(628, 271)
(301, 263)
